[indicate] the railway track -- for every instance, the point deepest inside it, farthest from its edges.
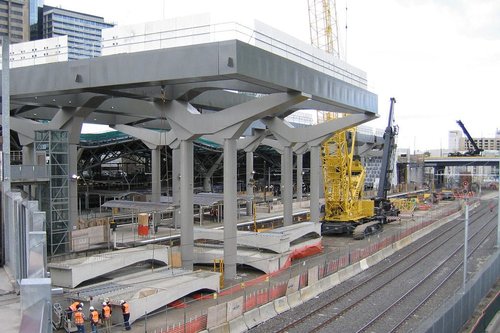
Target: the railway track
(338, 313)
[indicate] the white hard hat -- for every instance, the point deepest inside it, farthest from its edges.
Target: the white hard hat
(103, 303)
(81, 305)
(122, 301)
(91, 308)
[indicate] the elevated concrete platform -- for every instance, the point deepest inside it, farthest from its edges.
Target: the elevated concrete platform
(70, 273)
(278, 240)
(148, 292)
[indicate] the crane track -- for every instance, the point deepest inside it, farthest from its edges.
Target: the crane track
(314, 313)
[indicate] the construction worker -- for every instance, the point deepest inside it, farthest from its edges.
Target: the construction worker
(106, 317)
(94, 319)
(126, 314)
(80, 320)
(73, 308)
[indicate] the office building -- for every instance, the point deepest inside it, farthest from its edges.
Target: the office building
(35, 19)
(84, 31)
(13, 15)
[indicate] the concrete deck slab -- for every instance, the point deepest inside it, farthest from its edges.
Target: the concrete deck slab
(266, 262)
(278, 240)
(147, 293)
(70, 273)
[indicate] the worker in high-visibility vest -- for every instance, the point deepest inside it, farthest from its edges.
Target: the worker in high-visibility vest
(73, 308)
(80, 320)
(126, 314)
(106, 317)
(94, 319)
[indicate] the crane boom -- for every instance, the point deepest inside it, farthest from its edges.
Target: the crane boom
(323, 26)
(389, 138)
(477, 150)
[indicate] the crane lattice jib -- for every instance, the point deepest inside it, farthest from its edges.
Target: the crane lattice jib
(323, 25)
(344, 179)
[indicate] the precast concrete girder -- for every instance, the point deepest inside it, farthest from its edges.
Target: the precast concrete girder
(149, 137)
(316, 134)
(25, 128)
(300, 148)
(206, 181)
(230, 122)
(275, 144)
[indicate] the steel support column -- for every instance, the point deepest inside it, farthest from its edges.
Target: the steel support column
(249, 181)
(176, 174)
(72, 186)
(314, 185)
(300, 181)
(230, 213)
(287, 190)
(155, 181)
(186, 201)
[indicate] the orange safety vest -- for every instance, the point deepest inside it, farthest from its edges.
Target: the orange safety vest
(94, 316)
(125, 308)
(79, 318)
(74, 306)
(107, 312)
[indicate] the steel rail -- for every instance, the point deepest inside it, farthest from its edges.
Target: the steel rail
(386, 270)
(421, 282)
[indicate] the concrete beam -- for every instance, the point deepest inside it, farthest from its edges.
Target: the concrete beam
(70, 273)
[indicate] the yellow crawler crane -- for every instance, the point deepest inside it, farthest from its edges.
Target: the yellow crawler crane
(344, 178)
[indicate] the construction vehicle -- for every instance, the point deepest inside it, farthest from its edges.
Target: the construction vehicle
(471, 152)
(345, 209)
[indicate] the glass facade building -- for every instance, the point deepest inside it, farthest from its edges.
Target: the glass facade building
(35, 19)
(84, 31)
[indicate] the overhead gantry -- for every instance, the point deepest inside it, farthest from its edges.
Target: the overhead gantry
(183, 93)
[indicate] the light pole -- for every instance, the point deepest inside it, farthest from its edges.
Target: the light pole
(466, 240)
(498, 207)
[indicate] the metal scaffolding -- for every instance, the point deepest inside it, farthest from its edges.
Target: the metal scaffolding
(55, 197)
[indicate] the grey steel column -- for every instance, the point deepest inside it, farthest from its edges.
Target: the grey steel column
(155, 181)
(300, 182)
(249, 180)
(314, 185)
(287, 177)
(282, 178)
(230, 214)
(5, 160)
(155, 175)
(5, 118)
(73, 185)
(186, 201)
(176, 167)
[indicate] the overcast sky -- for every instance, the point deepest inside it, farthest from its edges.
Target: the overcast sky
(440, 59)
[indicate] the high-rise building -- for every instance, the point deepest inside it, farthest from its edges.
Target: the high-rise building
(13, 15)
(35, 19)
(84, 31)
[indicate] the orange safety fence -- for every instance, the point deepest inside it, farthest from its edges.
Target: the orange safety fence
(307, 251)
(195, 325)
